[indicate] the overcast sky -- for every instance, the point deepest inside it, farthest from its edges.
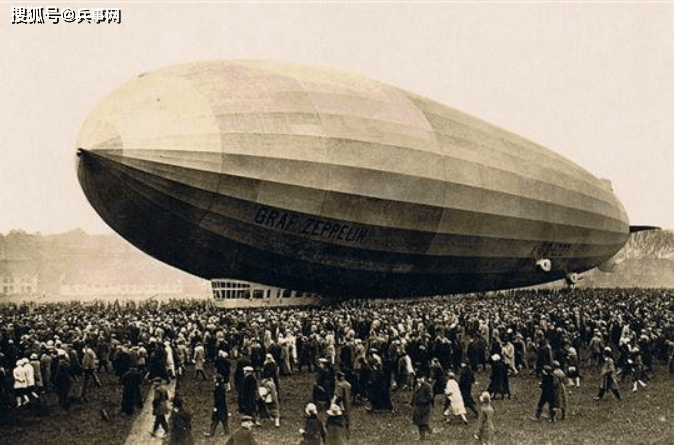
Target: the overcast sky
(593, 82)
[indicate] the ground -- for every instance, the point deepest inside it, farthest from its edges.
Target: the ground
(642, 417)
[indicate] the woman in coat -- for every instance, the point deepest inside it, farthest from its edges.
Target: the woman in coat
(271, 400)
(499, 383)
(454, 402)
(485, 421)
(422, 401)
(313, 432)
(560, 389)
(335, 427)
(608, 379)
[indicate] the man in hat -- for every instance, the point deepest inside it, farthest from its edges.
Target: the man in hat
(244, 434)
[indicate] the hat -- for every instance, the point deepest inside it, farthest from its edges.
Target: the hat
(485, 397)
(156, 380)
(556, 364)
(247, 369)
(334, 410)
(247, 419)
(495, 357)
(451, 375)
(547, 368)
(33, 357)
(310, 409)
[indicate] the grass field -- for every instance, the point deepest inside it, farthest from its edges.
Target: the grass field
(643, 417)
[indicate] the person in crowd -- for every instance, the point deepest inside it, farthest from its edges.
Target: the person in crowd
(89, 366)
(380, 389)
(437, 376)
(270, 370)
(160, 407)
(63, 380)
(466, 381)
(422, 401)
(608, 376)
(343, 397)
(335, 427)
(220, 410)
(199, 361)
(20, 384)
(484, 433)
(181, 424)
(223, 366)
(37, 373)
(103, 353)
(313, 432)
(453, 402)
(561, 395)
(498, 383)
(132, 397)
(636, 368)
(547, 393)
(573, 369)
(244, 434)
(249, 394)
(270, 400)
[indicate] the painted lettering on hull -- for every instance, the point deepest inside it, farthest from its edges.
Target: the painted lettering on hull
(551, 250)
(312, 227)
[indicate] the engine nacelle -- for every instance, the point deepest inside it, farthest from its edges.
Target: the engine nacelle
(572, 278)
(544, 264)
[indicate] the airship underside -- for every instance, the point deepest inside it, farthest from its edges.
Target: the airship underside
(316, 180)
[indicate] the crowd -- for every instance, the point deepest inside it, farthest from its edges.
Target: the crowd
(359, 351)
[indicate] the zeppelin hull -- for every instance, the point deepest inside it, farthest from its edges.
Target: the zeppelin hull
(321, 181)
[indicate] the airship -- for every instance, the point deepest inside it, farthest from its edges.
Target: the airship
(322, 181)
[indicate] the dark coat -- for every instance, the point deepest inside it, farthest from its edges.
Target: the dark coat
(242, 436)
(499, 383)
(336, 431)
(220, 402)
(248, 395)
(132, 397)
(314, 432)
(181, 428)
(422, 400)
